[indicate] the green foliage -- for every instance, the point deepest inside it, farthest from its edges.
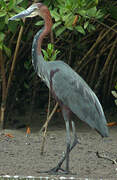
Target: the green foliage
(7, 10)
(116, 86)
(112, 10)
(65, 12)
(114, 93)
(28, 67)
(50, 54)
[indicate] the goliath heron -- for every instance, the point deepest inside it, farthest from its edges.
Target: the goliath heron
(67, 87)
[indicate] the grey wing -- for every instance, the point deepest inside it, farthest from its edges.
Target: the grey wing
(73, 91)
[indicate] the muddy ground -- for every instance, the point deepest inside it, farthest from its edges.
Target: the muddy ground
(20, 155)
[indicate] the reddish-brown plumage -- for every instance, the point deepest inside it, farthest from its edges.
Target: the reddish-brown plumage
(45, 14)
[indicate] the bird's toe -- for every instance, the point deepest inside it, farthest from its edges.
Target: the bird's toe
(56, 170)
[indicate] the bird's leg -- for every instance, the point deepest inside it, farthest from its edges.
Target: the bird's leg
(66, 114)
(68, 150)
(75, 139)
(56, 169)
(69, 146)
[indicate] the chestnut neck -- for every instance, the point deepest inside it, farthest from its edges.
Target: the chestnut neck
(47, 29)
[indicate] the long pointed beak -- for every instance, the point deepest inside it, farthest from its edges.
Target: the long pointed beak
(26, 13)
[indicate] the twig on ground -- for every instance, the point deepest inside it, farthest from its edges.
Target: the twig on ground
(45, 127)
(106, 157)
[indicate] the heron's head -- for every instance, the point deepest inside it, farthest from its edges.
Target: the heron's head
(34, 10)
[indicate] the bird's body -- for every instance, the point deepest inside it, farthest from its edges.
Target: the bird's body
(67, 87)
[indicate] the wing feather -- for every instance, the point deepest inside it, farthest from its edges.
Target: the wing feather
(73, 91)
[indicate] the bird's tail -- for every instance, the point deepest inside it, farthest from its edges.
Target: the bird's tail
(102, 128)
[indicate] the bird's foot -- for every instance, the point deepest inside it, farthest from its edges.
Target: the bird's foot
(56, 170)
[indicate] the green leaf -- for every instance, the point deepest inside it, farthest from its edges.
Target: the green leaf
(18, 9)
(19, 1)
(53, 58)
(70, 28)
(6, 19)
(32, 74)
(69, 20)
(23, 3)
(114, 94)
(56, 25)
(39, 23)
(86, 24)
(2, 24)
(50, 46)
(92, 3)
(12, 25)
(60, 30)
(29, 35)
(11, 4)
(2, 36)
(50, 54)
(50, 50)
(116, 86)
(80, 29)
(3, 13)
(56, 52)
(68, 3)
(67, 17)
(113, 11)
(3, 4)
(27, 65)
(55, 15)
(91, 27)
(1, 45)
(45, 54)
(82, 12)
(26, 85)
(99, 14)
(91, 12)
(116, 102)
(7, 50)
